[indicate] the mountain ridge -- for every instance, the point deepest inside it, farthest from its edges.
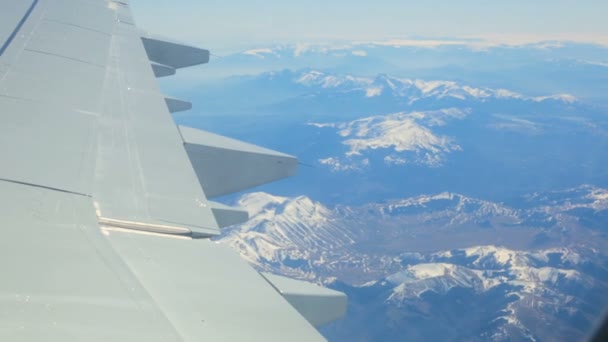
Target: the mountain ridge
(513, 288)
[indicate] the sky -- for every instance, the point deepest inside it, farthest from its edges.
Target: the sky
(244, 23)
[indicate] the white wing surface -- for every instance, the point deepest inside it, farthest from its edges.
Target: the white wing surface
(104, 204)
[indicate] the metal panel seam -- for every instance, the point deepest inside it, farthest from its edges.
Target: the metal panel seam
(18, 27)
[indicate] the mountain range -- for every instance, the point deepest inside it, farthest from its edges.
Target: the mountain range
(539, 271)
(542, 67)
(395, 136)
(440, 181)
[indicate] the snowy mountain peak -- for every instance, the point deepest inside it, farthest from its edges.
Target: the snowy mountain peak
(436, 277)
(263, 207)
(407, 134)
(457, 201)
(314, 78)
(413, 89)
(256, 202)
(261, 52)
(283, 228)
(371, 245)
(583, 196)
(485, 268)
(494, 255)
(422, 272)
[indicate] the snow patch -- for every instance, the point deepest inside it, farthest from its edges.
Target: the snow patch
(260, 53)
(501, 255)
(373, 91)
(392, 160)
(566, 98)
(407, 134)
(337, 165)
(415, 89)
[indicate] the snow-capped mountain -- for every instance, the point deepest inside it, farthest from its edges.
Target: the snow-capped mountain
(414, 89)
(403, 261)
(408, 138)
(397, 121)
(483, 293)
(473, 127)
(318, 84)
(306, 233)
(287, 229)
(308, 86)
(551, 67)
(414, 135)
(483, 268)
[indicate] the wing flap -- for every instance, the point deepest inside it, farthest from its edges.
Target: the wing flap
(143, 175)
(61, 280)
(208, 292)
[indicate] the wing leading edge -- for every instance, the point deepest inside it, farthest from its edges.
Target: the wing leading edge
(104, 200)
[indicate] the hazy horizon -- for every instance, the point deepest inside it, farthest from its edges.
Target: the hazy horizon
(238, 24)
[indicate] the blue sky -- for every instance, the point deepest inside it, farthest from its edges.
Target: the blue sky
(240, 23)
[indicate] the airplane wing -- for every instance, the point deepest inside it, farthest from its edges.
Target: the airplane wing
(104, 202)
